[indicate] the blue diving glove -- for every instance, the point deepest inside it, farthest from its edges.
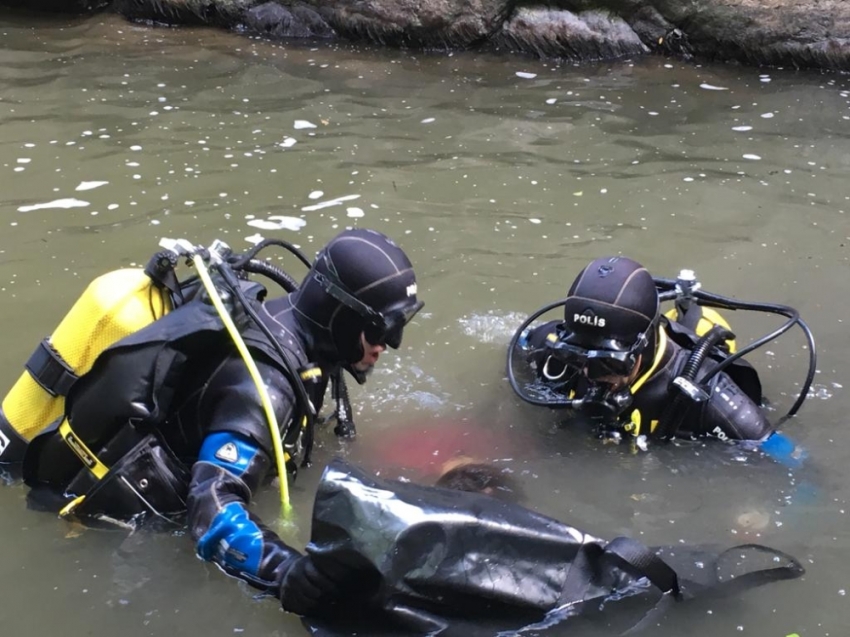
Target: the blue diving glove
(784, 450)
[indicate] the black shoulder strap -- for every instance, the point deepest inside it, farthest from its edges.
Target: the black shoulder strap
(690, 316)
(643, 560)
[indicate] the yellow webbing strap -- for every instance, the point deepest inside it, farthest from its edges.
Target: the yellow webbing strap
(83, 452)
(659, 354)
(68, 509)
(634, 426)
(310, 374)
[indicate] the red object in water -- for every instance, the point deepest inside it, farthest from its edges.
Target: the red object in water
(427, 447)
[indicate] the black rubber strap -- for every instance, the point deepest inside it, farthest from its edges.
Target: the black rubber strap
(160, 270)
(646, 563)
(344, 414)
(50, 371)
(791, 570)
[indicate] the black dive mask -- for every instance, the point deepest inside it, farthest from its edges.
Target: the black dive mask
(382, 328)
(388, 326)
(597, 363)
(608, 357)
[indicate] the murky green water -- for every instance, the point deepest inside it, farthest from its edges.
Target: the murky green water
(501, 177)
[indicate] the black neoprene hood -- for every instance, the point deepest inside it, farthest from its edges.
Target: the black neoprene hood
(372, 268)
(610, 304)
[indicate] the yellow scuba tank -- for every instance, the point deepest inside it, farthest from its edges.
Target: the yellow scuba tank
(113, 306)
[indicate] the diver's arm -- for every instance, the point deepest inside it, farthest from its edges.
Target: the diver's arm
(233, 461)
(730, 414)
(224, 530)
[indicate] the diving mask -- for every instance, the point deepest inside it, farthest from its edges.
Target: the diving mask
(382, 328)
(596, 363)
(387, 327)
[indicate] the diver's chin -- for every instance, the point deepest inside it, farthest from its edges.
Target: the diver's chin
(360, 372)
(364, 369)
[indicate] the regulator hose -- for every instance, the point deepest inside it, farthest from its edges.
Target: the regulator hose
(563, 403)
(667, 292)
(241, 260)
(249, 263)
(227, 320)
(276, 274)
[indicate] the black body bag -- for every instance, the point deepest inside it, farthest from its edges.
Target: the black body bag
(433, 561)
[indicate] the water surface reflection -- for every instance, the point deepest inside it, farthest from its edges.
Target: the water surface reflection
(501, 177)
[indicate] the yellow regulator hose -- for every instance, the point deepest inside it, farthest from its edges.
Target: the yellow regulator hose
(277, 443)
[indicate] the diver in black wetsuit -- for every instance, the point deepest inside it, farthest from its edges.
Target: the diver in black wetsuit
(615, 359)
(169, 419)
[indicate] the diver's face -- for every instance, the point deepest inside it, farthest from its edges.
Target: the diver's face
(371, 353)
(619, 382)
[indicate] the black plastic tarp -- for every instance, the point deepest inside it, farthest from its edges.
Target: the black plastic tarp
(432, 561)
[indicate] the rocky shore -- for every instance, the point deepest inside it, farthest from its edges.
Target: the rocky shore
(791, 33)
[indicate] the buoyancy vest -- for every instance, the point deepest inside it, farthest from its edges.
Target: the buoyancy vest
(653, 395)
(741, 372)
(133, 383)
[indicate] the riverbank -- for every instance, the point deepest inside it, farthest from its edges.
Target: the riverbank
(792, 33)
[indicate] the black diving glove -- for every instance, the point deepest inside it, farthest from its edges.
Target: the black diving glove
(308, 588)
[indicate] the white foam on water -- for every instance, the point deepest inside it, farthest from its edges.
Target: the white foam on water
(90, 185)
(301, 124)
(262, 224)
(278, 222)
(428, 120)
(289, 223)
(58, 203)
(742, 129)
(712, 87)
(316, 194)
(534, 220)
(751, 156)
(355, 213)
(491, 327)
(330, 203)
(136, 148)
(288, 142)
(526, 75)
(552, 100)
(767, 115)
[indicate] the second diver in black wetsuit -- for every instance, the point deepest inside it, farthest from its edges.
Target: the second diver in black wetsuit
(615, 359)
